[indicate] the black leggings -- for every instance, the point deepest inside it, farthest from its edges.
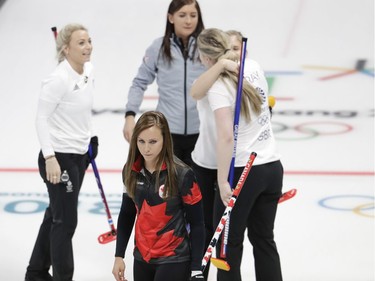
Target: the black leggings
(206, 179)
(54, 242)
(255, 210)
(183, 145)
(161, 272)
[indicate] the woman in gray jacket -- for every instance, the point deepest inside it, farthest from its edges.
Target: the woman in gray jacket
(173, 61)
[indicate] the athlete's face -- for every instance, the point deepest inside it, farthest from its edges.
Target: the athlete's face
(79, 49)
(150, 143)
(236, 44)
(185, 21)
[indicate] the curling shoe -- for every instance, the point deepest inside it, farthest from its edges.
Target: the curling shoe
(39, 277)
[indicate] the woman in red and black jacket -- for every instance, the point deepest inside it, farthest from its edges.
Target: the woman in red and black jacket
(162, 193)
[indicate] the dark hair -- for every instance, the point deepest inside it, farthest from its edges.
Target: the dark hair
(145, 121)
(174, 6)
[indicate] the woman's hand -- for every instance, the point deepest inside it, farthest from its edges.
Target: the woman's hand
(128, 127)
(118, 270)
(230, 65)
(225, 192)
(53, 171)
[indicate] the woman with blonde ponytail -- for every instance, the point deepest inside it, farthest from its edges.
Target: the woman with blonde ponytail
(215, 91)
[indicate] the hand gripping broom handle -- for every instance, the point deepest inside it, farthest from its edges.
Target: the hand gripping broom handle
(228, 210)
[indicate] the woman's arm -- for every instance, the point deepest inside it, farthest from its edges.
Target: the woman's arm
(145, 76)
(124, 229)
(204, 82)
(125, 224)
(224, 148)
(192, 199)
(53, 89)
(194, 216)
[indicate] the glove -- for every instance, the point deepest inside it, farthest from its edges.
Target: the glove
(94, 142)
(197, 276)
(93, 150)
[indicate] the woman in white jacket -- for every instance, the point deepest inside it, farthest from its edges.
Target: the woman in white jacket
(257, 204)
(64, 128)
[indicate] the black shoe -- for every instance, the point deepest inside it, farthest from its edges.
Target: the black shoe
(44, 276)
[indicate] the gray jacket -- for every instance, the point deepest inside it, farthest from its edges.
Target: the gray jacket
(173, 81)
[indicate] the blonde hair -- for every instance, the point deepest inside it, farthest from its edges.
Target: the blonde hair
(63, 38)
(235, 33)
(215, 44)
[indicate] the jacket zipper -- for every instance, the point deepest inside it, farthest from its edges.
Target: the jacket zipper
(185, 54)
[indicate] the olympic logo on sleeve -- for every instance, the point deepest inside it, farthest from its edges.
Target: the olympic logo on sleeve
(309, 130)
(362, 205)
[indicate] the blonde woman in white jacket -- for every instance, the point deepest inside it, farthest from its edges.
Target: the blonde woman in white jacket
(64, 128)
(255, 209)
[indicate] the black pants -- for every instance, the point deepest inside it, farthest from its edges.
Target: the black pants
(183, 145)
(53, 246)
(207, 179)
(255, 209)
(161, 272)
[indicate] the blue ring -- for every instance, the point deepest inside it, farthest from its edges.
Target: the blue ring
(323, 204)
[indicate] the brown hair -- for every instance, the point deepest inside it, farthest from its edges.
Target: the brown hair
(145, 121)
(174, 6)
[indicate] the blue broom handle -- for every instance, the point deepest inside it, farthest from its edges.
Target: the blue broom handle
(235, 136)
(237, 108)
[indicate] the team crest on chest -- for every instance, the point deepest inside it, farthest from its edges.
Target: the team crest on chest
(161, 191)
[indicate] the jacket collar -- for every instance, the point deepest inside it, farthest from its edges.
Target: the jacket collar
(138, 165)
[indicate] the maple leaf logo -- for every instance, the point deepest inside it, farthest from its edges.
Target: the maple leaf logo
(194, 196)
(152, 238)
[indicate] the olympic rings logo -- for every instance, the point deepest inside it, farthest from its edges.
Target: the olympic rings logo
(309, 130)
(263, 119)
(359, 204)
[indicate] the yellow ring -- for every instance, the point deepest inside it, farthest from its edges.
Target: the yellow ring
(358, 210)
